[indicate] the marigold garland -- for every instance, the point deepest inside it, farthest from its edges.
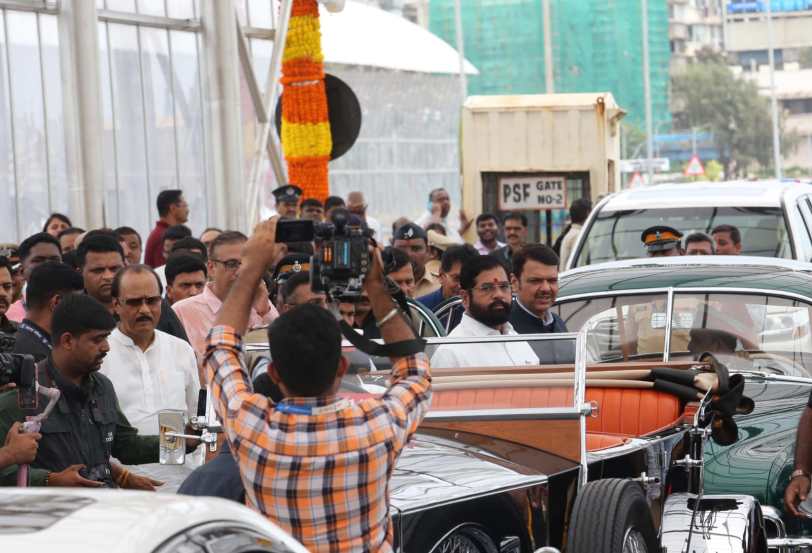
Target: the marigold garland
(306, 138)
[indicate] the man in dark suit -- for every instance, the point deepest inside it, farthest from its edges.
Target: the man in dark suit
(535, 282)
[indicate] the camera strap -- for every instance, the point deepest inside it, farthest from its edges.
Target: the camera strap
(396, 349)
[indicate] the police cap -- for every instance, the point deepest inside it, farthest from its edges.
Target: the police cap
(288, 194)
(660, 238)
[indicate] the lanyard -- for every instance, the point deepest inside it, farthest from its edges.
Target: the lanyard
(307, 410)
(42, 338)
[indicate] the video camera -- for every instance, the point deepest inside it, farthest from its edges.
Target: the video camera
(341, 259)
(22, 371)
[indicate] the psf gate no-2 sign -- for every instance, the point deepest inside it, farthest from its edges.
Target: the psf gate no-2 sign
(532, 192)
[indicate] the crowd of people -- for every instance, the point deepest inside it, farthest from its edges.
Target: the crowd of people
(127, 327)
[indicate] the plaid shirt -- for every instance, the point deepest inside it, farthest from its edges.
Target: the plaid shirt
(322, 476)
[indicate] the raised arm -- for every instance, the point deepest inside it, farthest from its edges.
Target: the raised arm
(409, 391)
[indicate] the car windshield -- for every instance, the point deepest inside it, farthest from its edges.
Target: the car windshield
(615, 235)
(751, 331)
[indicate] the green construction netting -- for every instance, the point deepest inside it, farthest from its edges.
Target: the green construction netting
(597, 46)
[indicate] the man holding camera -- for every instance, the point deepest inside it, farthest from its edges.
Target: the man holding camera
(86, 428)
(318, 465)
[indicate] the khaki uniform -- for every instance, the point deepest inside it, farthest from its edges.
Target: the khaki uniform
(650, 322)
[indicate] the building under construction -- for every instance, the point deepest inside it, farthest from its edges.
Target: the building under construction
(597, 45)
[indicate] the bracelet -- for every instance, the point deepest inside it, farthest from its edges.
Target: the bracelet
(388, 317)
(48, 479)
(798, 472)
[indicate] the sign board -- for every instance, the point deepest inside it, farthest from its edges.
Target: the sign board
(532, 192)
(659, 164)
(694, 168)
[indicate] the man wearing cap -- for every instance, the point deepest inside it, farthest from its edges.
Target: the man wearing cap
(647, 322)
(662, 241)
(287, 200)
(413, 241)
(288, 266)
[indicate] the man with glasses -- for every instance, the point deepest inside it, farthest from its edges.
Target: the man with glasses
(150, 370)
(486, 294)
(197, 313)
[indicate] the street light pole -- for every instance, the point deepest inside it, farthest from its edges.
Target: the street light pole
(460, 50)
(773, 99)
(647, 93)
(549, 86)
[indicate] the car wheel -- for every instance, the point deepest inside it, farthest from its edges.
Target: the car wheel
(611, 515)
(466, 538)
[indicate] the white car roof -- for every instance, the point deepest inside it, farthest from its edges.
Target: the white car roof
(113, 521)
(765, 193)
(696, 260)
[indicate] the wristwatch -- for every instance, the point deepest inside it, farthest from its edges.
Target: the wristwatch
(798, 472)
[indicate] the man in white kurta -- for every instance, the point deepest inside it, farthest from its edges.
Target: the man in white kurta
(486, 295)
(151, 371)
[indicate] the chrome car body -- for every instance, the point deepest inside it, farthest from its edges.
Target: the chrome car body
(778, 377)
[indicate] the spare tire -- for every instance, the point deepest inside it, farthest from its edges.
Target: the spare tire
(611, 516)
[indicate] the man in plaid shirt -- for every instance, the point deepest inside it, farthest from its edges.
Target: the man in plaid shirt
(317, 465)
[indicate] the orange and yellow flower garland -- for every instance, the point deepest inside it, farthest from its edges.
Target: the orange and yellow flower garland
(306, 139)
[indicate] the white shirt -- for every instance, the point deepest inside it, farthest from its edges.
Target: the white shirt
(483, 250)
(452, 229)
(491, 354)
(375, 226)
(568, 244)
(163, 377)
(161, 272)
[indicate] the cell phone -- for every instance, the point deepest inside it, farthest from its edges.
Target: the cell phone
(294, 231)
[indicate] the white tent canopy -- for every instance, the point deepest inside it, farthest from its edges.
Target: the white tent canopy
(369, 36)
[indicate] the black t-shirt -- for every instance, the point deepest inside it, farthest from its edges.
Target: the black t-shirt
(220, 477)
(32, 340)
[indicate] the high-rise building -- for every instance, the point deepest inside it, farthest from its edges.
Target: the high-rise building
(692, 26)
(597, 46)
(747, 36)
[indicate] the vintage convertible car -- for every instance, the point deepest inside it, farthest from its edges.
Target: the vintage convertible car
(754, 314)
(525, 454)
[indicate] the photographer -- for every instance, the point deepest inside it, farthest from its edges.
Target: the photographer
(86, 428)
(312, 436)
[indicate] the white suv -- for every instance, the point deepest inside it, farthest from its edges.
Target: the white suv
(774, 218)
(74, 520)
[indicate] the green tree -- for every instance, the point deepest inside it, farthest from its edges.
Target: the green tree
(708, 94)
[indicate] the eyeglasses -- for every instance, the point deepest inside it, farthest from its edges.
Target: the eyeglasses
(151, 301)
(490, 287)
(230, 264)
